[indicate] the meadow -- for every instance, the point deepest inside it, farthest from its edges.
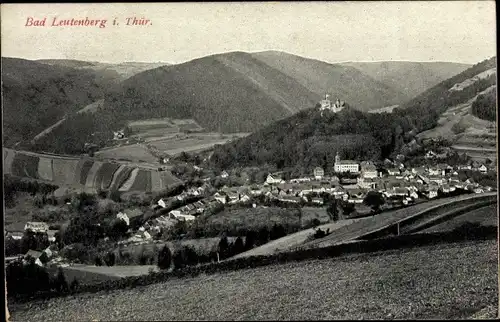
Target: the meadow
(398, 284)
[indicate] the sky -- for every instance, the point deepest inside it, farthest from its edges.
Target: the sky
(455, 31)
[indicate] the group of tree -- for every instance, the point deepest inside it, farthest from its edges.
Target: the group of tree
(485, 106)
(26, 278)
(13, 185)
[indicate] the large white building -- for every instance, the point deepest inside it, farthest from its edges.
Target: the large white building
(345, 165)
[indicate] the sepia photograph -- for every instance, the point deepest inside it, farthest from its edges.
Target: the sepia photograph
(225, 161)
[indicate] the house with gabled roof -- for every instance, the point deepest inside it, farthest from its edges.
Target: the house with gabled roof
(274, 179)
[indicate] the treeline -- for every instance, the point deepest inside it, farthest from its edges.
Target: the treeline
(13, 185)
(485, 106)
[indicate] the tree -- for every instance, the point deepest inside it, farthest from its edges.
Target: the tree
(263, 236)
(110, 259)
(74, 285)
(117, 229)
(374, 200)
(332, 210)
(347, 209)
(164, 258)
(238, 246)
(250, 240)
(60, 283)
(98, 261)
(223, 248)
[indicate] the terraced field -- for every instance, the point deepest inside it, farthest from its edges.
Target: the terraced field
(399, 284)
(85, 174)
(486, 216)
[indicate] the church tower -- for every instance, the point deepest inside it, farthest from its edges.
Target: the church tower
(337, 158)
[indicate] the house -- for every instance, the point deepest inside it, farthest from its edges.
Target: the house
(345, 165)
(478, 190)
(464, 167)
(318, 173)
(224, 174)
(220, 197)
(318, 201)
(52, 235)
(366, 183)
(299, 180)
(130, 216)
(162, 203)
(123, 216)
(179, 215)
(290, 199)
(432, 193)
(15, 235)
(393, 171)
(274, 179)
(437, 179)
(36, 255)
(397, 191)
(436, 171)
(369, 171)
(36, 226)
(414, 194)
(118, 135)
(430, 154)
(483, 168)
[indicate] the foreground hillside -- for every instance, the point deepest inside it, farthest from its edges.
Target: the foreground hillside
(389, 285)
(409, 78)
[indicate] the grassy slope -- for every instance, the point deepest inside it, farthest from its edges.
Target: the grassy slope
(395, 284)
(346, 83)
(410, 78)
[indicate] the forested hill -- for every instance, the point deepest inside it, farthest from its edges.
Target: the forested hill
(36, 95)
(310, 139)
(242, 92)
(409, 78)
(422, 112)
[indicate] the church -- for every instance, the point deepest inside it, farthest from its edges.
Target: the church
(345, 165)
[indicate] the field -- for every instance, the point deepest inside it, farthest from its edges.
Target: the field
(293, 240)
(94, 274)
(251, 219)
(401, 284)
(310, 213)
(486, 216)
(84, 173)
(385, 219)
(134, 153)
(192, 143)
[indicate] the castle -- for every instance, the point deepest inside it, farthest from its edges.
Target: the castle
(326, 104)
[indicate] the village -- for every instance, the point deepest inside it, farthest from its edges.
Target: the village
(351, 182)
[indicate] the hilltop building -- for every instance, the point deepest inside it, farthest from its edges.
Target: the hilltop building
(326, 104)
(318, 173)
(345, 165)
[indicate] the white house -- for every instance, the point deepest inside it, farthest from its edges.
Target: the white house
(318, 173)
(36, 226)
(123, 216)
(224, 174)
(220, 197)
(162, 203)
(274, 179)
(369, 171)
(483, 168)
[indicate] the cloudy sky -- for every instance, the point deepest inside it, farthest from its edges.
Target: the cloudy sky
(457, 31)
